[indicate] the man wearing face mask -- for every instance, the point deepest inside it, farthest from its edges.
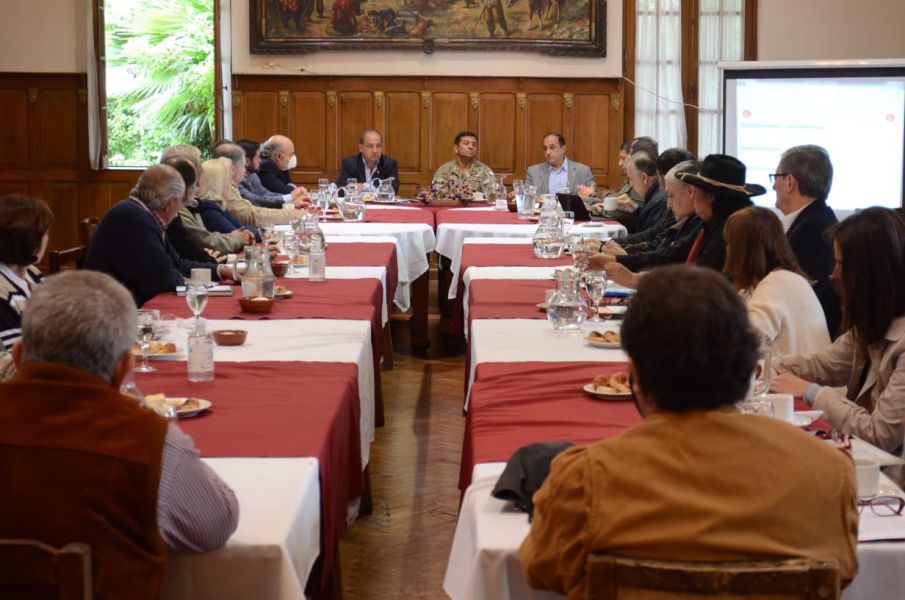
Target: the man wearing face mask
(277, 159)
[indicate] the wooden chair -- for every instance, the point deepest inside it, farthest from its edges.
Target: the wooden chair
(612, 577)
(58, 258)
(31, 569)
(87, 227)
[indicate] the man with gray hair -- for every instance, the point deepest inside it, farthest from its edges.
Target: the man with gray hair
(277, 159)
(802, 182)
(89, 464)
(131, 245)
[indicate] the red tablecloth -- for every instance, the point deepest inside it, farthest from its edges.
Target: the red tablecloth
(366, 254)
(396, 215)
(513, 404)
(498, 217)
(279, 409)
(507, 298)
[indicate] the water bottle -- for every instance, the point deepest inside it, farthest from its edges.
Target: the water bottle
(200, 354)
(317, 264)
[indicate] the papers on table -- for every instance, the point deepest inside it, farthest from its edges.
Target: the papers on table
(214, 290)
(864, 450)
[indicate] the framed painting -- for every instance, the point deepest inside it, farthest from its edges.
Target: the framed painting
(557, 27)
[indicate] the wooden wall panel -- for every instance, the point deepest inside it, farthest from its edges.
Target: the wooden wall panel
(593, 112)
(63, 199)
(449, 116)
(58, 129)
(402, 139)
(544, 113)
(308, 130)
(13, 187)
(258, 115)
(13, 127)
(497, 132)
(356, 113)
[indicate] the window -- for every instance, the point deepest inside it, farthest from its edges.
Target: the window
(675, 46)
(158, 77)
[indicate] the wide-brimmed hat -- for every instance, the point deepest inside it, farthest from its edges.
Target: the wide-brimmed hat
(723, 174)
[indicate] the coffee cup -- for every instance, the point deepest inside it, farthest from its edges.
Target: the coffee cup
(479, 196)
(783, 406)
(867, 473)
(610, 203)
(201, 276)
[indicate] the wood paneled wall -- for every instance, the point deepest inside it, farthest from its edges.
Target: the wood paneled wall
(44, 130)
(44, 151)
(420, 116)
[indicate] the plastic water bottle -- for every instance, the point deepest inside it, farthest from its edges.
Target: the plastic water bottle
(317, 265)
(200, 354)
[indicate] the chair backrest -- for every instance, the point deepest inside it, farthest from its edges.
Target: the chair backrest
(87, 227)
(31, 569)
(58, 258)
(612, 577)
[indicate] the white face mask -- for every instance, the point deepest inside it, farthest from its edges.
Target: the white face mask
(293, 162)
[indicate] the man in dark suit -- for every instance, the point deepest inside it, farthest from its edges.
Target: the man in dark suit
(277, 159)
(370, 163)
(802, 182)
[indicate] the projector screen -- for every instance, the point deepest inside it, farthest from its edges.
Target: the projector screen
(857, 114)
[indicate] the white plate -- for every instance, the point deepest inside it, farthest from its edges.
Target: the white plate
(159, 355)
(601, 344)
(589, 388)
(803, 418)
(284, 294)
(542, 306)
(181, 411)
(615, 309)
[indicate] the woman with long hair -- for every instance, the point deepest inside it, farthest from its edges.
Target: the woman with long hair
(869, 356)
(781, 304)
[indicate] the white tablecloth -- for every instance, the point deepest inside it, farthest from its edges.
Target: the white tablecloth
(324, 340)
(534, 340)
(414, 242)
(484, 564)
(275, 545)
(301, 272)
(451, 237)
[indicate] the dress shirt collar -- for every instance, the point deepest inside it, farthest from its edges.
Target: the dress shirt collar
(563, 168)
(788, 219)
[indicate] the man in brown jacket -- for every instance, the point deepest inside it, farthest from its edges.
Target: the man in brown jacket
(696, 480)
(81, 462)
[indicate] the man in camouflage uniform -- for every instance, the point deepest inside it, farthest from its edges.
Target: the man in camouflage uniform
(465, 168)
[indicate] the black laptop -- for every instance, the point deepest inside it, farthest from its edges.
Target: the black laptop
(574, 203)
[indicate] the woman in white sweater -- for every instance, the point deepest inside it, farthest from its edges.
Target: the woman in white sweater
(782, 305)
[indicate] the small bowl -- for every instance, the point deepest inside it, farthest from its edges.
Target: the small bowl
(512, 206)
(259, 305)
(230, 337)
(279, 268)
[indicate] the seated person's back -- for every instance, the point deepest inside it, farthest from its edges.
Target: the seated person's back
(697, 480)
(89, 464)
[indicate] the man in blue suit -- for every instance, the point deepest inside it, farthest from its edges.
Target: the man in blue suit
(370, 163)
(802, 182)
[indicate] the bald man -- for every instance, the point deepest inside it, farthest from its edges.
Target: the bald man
(277, 159)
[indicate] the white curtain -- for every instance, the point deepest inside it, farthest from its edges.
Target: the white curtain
(226, 72)
(722, 38)
(95, 129)
(659, 110)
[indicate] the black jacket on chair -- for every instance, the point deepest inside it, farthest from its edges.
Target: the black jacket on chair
(354, 166)
(815, 256)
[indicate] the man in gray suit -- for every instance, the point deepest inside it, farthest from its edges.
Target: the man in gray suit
(557, 172)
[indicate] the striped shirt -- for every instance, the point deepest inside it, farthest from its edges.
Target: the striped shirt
(196, 510)
(14, 293)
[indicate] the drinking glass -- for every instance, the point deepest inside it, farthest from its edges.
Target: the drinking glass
(581, 254)
(323, 184)
(568, 219)
(526, 206)
(763, 371)
(291, 245)
(595, 286)
(352, 182)
(196, 298)
(146, 320)
(266, 234)
(353, 209)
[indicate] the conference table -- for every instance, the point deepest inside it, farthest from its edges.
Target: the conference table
(524, 385)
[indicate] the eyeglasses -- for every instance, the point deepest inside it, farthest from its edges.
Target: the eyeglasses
(775, 176)
(883, 506)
